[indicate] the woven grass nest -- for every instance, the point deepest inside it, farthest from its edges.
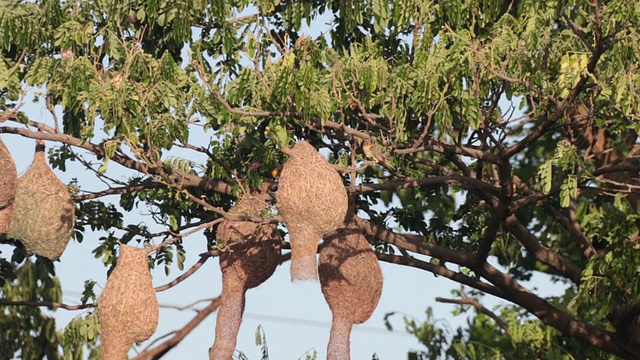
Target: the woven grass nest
(128, 307)
(351, 282)
(313, 202)
(8, 184)
(250, 256)
(43, 215)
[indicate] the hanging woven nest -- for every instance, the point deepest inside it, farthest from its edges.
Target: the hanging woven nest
(250, 255)
(313, 202)
(351, 282)
(128, 307)
(8, 183)
(43, 215)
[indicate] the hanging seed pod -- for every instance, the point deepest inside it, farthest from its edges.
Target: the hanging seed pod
(250, 256)
(8, 183)
(128, 307)
(351, 282)
(313, 202)
(43, 213)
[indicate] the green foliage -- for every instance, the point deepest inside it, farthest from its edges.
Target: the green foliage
(79, 335)
(31, 282)
(470, 103)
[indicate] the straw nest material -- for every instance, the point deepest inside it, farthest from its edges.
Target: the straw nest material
(351, 282)
(8, 183)
(43, 215)
(313, 202)
(250, 255)
(128, 307)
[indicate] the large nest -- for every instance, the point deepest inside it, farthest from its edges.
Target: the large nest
(8, 183)
(351, 282)
(249, 257)
(128, 307)
(43, 215)
(313, 202)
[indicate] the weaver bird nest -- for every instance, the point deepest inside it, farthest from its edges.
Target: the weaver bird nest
(43, 214)
(351, 282)
(8, 183)
(249, 257)
(313, 203)
(128, 307)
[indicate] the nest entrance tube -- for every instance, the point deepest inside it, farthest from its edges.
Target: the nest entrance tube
(8, 183)
(43, 215)
(351, 281)
(250, 256)
(128, 307)
(313, 203)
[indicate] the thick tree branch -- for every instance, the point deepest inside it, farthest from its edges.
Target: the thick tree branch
(452, 180)
(543, 254)
(444, 272)
(184, 179)
(560, 320)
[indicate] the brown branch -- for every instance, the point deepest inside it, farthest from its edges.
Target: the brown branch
(454, 180)
(466, 300)
(50, 305)
(543, 254)
(444, 272)
(147, 184)
(184, 179)
(416, 244)
(160, 350)
(549, 315)
(573, 227)
(186, 274)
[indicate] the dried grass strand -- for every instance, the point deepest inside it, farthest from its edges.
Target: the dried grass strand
(351, 281)
(8, 185)
(128, 307)
(250, 255)
(43, 215)
(313, 203)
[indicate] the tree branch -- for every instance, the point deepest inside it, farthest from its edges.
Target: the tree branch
(48, 304)
(159, 351)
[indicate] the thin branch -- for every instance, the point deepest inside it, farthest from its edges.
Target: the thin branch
(48, 304)
(466, 300)
(454, 180)
(158, 351)
(186, 274)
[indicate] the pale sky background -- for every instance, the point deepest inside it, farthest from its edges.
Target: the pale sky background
(295, 317)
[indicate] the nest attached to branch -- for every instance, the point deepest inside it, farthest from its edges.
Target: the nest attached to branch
(128, 306)
(43, 215)
(351, 282)
(251, 254)
(313, 203)
(8, 184)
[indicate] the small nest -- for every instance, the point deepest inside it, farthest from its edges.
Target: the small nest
(313, 203)
(250, 256)
(351, 282)
(8, 183)
(128, 307)
(43, 215)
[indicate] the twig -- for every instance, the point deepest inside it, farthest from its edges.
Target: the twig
(466, 300)
(49, 304)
